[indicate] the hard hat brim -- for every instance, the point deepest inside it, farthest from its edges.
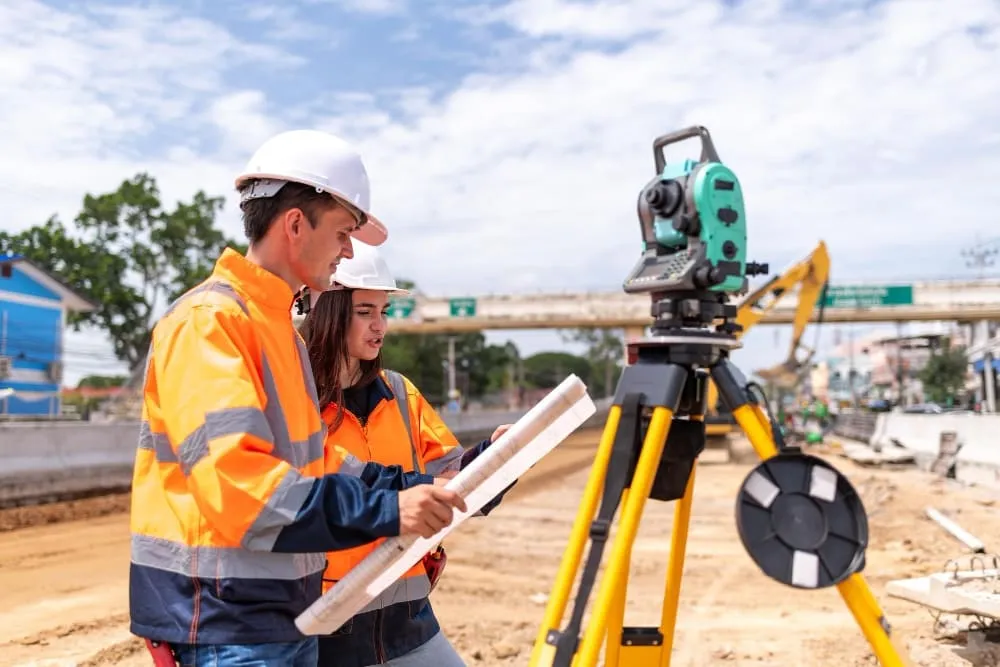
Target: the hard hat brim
(395, 291)
(373, 232)
(335, 286)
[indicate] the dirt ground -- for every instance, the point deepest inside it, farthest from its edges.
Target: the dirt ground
(63, 574)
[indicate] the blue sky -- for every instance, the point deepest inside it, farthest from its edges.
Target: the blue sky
(506, 140)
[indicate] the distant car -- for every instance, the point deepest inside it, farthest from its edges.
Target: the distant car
(923, 409)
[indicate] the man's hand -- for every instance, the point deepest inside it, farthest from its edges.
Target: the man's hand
(500, 430)
(427, 508)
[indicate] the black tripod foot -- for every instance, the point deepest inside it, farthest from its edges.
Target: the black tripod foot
(802, 522)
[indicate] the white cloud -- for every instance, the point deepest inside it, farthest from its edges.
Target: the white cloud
(382, 7)
(242, 121)
(87, 96)
(860, 127)
(872, 126)
(284, 22)
(92, 98)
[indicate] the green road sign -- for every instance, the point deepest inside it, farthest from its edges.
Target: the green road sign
(401, 307)
(462, 307)
(866, 296)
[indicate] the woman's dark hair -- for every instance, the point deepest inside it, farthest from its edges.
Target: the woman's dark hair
(325, 332)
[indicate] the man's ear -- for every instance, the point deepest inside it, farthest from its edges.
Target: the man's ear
(294, 222)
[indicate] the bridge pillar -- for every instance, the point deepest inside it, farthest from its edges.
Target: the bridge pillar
(989, 379)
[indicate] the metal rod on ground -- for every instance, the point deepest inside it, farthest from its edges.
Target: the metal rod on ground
(959, 533)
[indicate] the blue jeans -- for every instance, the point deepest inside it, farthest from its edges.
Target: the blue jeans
(303, 653)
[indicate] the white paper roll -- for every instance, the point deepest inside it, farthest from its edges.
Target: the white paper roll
(533, 436)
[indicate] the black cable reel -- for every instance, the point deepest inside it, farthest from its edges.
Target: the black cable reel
(801, 521)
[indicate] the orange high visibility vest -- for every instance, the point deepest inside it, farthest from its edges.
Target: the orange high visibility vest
(407, 432)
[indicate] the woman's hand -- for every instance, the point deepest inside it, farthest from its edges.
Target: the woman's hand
(500, 430)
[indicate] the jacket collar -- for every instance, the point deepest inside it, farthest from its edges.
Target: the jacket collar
(256, 282)
(379, 388)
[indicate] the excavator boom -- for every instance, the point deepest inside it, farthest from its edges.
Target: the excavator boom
(806, 278)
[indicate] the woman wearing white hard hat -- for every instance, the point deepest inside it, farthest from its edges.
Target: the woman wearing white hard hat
(378, 415)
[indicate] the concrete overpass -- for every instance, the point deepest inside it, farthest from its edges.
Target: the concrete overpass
(961, 301)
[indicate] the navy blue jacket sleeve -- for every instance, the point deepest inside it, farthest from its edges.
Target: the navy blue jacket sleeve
(343, 511)
(468, 457)
(340, 512)
(379, 476)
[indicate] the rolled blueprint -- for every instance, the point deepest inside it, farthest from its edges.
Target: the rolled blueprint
(533, 436)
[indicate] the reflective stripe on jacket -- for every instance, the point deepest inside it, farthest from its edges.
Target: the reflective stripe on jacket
(231, 510)
(386, 438)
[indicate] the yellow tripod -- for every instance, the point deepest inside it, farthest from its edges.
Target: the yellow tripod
(800, 520)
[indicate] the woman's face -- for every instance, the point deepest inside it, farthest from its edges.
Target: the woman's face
(369, 321)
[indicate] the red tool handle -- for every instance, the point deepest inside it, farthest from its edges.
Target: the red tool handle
(162, 655)
(434, 563)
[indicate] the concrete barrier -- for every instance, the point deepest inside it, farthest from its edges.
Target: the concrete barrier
(42, 462)
(978, 457)
(855, 424)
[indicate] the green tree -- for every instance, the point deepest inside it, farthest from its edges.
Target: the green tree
(101, 381)
(545, 370)
(605, 350)
(944, 375)
(128, 255)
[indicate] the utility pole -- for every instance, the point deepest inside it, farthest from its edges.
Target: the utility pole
(850, 368)
(899, 362)
(451, 367)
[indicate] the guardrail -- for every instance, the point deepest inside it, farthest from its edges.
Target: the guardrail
(46, 462)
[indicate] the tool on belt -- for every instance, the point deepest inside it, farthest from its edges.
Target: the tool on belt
(434, 563)
(162, 655)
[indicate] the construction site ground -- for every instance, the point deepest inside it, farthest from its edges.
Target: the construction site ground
(64, 583)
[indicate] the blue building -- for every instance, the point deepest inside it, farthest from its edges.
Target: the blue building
(33, 308)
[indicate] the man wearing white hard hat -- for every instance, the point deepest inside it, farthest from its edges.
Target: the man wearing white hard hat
(231, 509)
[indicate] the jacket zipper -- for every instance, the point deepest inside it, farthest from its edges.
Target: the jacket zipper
(364, 427)
(379, 649)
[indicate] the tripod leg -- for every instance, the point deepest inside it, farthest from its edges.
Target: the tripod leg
(854, 590)
(675, 569)
(616, 614)
(653, 655)
(542, 653)
(678, 541)
(642, 482)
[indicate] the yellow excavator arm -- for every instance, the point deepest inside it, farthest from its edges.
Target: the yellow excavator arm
(810, 275)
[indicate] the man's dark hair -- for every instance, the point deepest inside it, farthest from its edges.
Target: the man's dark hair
(258, 214)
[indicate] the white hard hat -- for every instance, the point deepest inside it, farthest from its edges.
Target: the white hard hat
(321, 160)
(365, 270)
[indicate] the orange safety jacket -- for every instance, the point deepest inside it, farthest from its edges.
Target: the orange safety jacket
(231, 510)
(404, 431)
(400, 429)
